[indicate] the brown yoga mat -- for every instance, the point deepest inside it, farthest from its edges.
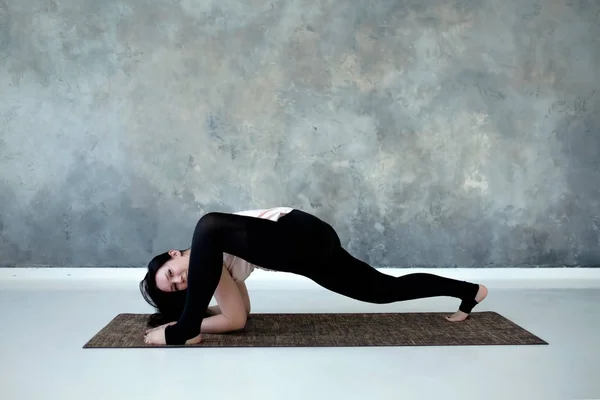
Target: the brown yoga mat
(336, 330)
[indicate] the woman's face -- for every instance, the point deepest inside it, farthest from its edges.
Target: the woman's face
(172, 276)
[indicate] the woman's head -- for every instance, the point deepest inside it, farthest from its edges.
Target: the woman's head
(171, 276)
(164, 286)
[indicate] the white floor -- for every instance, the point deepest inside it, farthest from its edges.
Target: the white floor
(45, 324)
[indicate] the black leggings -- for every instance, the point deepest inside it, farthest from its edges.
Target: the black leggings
(302, 244)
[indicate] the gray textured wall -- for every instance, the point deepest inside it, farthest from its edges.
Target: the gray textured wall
(428, 132)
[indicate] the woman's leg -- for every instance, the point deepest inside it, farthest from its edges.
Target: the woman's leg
(259, 241)
(332, 267)
(351, 277)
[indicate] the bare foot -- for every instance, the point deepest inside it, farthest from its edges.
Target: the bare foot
(461, 316)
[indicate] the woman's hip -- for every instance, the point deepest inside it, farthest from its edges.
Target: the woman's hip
(314, 237)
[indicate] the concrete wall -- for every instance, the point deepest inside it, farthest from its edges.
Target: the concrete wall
(429, 133)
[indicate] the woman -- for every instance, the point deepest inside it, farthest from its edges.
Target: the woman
(227, 247)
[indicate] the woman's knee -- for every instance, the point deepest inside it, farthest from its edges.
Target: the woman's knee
(208, 224)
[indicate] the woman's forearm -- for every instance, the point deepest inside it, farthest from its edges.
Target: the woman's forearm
(221, 324)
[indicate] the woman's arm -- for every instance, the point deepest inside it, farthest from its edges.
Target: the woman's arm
(233, 307)
(245, 297)
(214, 310)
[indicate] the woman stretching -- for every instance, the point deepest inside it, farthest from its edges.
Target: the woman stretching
(227, 247)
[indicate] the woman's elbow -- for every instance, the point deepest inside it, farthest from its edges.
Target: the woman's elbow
(239, 322)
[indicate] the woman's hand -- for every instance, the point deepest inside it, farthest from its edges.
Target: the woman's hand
(156, 336)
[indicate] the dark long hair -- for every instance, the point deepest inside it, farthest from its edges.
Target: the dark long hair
(168, 305)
